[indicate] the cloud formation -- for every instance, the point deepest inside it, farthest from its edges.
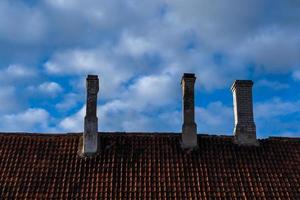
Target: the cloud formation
(283, 116)
(32, 119)
(50, 89)
(140, 50)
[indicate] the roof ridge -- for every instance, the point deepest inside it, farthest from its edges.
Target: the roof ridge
(283, 138)
(140, 134)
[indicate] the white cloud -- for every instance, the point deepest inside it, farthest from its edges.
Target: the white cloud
(135, 46)
(125, 118)
(275, 85)
(277, 118)
(69, 101)
(16, 73)
(77, 60)
(275, 108)
(219, 24)
(244, 31)
(32, 119)
(154, 90)
(46, 88)
(64, 4)
(9, 100)
(92, 44)
(141, 53)
(216, 118)
(74, 122)
(50, 87)
(142, 105)
(91, 61)
(271, 50)
(20, 71)
(296, 75)
(20, 23)
(134, 109)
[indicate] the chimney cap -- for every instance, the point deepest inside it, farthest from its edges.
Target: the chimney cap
(188, 75)
(93, 77)
(242, 83)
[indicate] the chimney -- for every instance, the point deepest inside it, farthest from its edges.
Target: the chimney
(189, 127)
(244, 130)
(90, 135)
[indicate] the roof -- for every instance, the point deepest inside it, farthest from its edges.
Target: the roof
(147, 166)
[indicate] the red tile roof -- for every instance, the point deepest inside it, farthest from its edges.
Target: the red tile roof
(147, 166)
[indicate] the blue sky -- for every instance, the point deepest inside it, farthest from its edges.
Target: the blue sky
(140, 49)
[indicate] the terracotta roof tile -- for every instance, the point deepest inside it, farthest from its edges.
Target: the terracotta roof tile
(147, 166)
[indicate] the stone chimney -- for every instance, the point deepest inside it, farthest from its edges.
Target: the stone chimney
(245, 129)
(189, 127)
(90, 135)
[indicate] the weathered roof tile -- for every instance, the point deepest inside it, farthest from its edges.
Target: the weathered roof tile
(147, 166)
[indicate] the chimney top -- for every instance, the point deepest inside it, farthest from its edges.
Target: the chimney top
(92, 76)
(244, 83)
(188, 75)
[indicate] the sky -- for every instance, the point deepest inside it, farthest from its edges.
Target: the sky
(140, 49)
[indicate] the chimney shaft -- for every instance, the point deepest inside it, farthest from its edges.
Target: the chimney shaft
(90, 135)
(189, 127)
(245, 129)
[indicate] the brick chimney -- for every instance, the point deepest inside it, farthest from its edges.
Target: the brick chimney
(90, 135)
(189, 127)
(245, 129)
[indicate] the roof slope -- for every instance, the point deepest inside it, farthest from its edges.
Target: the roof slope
(147, 166)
